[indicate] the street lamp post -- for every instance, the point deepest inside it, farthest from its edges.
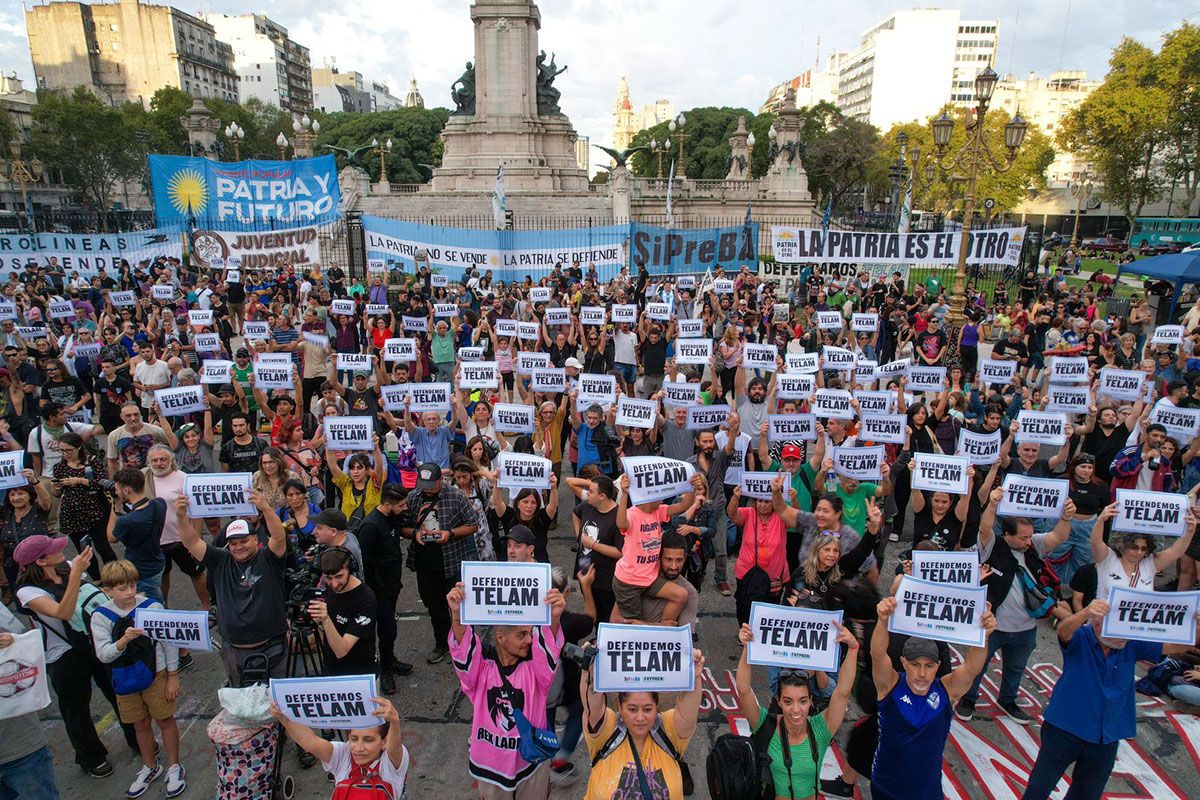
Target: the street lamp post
(659, 148)
(1081, 190)
(974, 156)
(281, 142)
(235, 134)
(24, 173)
(675, 126)
(304, 136)
(898, 173)
(384, 149)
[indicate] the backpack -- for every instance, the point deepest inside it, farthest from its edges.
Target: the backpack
(739, 767)
(620, 734)
(90, 598)
(135, 668)
(367, 785)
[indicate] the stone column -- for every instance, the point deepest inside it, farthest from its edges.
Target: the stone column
(786, 177)
(201, 127)
(739, 149)
(506, 42)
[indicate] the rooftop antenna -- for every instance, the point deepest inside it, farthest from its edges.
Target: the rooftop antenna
(1063, 49)
(817, 64)
(1013, 50)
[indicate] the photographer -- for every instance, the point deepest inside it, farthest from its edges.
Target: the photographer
(383, 571)
(248, 586)
(345, 611)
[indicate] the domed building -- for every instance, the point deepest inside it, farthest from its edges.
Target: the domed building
(413, 99)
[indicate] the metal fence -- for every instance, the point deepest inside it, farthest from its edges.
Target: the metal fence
(83, 220)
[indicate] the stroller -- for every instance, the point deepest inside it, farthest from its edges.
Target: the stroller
(249, 755)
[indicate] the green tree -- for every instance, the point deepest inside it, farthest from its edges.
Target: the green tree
(844, 156)
(1121, 128)
(415, 135)
(1178, 68)
(705, 147)
(91, 143)
(8, 131)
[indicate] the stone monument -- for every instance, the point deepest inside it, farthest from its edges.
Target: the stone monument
(786, 178)
(506, 109)
(739, 153)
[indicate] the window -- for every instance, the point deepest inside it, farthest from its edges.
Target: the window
(114, 26)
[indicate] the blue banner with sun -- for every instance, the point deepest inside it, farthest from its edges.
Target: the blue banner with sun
(192, 193)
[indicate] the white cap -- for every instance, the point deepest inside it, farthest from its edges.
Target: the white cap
(574, 362)
(239, 527)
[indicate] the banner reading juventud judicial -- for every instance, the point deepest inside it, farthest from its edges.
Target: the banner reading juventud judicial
(814, 246)
(259, 249)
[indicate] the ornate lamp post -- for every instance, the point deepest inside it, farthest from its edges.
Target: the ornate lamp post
(23, 173)
(304, 136)
(974, 156)
(898, 175)
(235, 134)
(659, 148)
(675, 126)
(383, 150)
(1081, 190)
(282, 143)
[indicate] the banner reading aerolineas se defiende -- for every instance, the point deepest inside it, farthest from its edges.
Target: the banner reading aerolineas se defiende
(813, 245)
(246, 195)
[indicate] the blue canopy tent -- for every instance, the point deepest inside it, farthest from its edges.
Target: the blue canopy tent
(1175, 268)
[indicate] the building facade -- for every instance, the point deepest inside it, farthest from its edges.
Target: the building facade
(128, 50)
(913, 63)
(270, 66)
(335, 90)
(627, 122)
(1045, 102)
(811, 86)
(583, 155)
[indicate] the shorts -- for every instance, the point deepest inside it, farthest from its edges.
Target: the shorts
(149, 704)
(1193, 550)
(629, 597)
(178, 552)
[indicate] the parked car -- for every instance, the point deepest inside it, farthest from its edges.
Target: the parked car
(1104, 244)
(1160, 248)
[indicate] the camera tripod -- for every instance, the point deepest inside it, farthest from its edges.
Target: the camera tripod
(304, 650)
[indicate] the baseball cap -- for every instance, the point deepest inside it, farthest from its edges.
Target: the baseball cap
(237, 528)
(393, 493)
(429, 476)
(332, 518)
(361, 374)
(242, 353)
(521, 535)
(791, 451)
(38, 546)
(917, 647)
(574, 362)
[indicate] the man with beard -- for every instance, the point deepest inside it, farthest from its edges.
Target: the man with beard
(712, 464)
(128, 444)
(383, 571)
(1104, 435)
(752, 405)
(671, 560)
(514, 672)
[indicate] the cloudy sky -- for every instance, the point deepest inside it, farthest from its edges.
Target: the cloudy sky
(693, 52)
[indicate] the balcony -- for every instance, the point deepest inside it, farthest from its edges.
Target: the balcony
(405, 188)
(689, 188)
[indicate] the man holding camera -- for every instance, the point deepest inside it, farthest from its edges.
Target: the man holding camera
(346, 613)
(383, 571)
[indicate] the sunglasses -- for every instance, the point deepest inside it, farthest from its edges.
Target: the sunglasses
(793, 673)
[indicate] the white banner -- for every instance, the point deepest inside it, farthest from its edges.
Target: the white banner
(444, 310)
(795, 387)
(992, 371)
(436, 280)
(428, 396)
(62, 309)
(340, 703)
(521, 471)
(208, 343)
(815, 245)
(643, 658)
(269, 376)
(195, 318)
(693, 351)
(266, 250)
(801, 363)
(937, 473)
(656, 478)
(24, 682)
(479, 375)
(691, 329)
(506, 328)
(601, 389)
(723, 286)
(794, 638)
(1169, 335)
(883, 428)
(1146, 616)
(1041, 427)
(1041, 498)
(759, 356)
(218, 495)
(624, 312)
(1121, 384)
(864, 323)
(126, 299)
(341, 308)
(833, 403)
(829, 320)
(400, 349)
(377, 310)
(634, 413)
(704, 418)
(757, 485)
(893, 369)
(1068, 399)
(215, 370)
(528, 361)
(926, 379)
(864, 372)
(681, 394)
(180, 400)
(12, 464)
(1068, 369)
(958, 567)
(512, 418)
(464, 353)
(875, 403)
(558, 317)
(414, 324)
(838, 358)
(548, 381)
(859, 463)
(316, 339)
(982, 448)
(1182, 424)
(349, 433)
(260, 331)
(1158, 513)
(528, 331)
(658, 311)
(592, 315)
(539, 294)
(505, 593)
(354, 362)
(943, 612)
(791, 427)
(186, 629)
(393, 395)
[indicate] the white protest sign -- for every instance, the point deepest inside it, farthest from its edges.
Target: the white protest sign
(12, 464)
(31, 332)
(1158, 513)
(528, 361)
(437, 280)
(506, 328)
(393, 395)
(801, 363)
(781, 312)
(704, 418)
(634, 413)
(859, 463)
(521, 471)
(1147, 616)
(478, 375)
(1121, 384)
(601, 389)
(84, 350)
(186, 629)
(693, 351)
(8, 310)
(548, 381)
(685, 282)
(400, 349)
(260, 331)
(938, 473)
(376, 265)
(354, 362)
(200, 318)
(62, 309)
(1182, 424)
(539, 294)
(658, 311)
(512, 418)
(444, 310)
(218, 495)
(992, 371)
(795, 638)
(681, 394)
(464, 353)
(215, 370)
(791, 427)
(982, 448)
(795, 387)
(505, 593)
(833, 403)
(864, 323)
(875, 402)
(127, 298)
(864, 372)
(1168, 334)
(838, 358)
(644, 658)
(379, 310)
(723, 286)
(893, 369)
(1043, 498)
(959, 567)
(349, 433)
(180, 400)
(343, 308)
(340, 703)
(943, 612)
(883, 428)
(690, 329)
(317, 339)
(1069, 369)
(829, 320)
(528, 331)
(233, 276)
(557, 317)
(427, 396)
(592, 315)
(162, 291)
(208, 343)
(926, 379)
(656, 478)
(1068, 399)
(759, 356)
(1041, 427)
(758, 485)
(414, 324)
(269, 376)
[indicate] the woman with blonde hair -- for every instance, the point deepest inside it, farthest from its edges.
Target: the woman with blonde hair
(730, 356)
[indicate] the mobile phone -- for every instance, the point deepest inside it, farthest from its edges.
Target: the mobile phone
(85, 541)
(429, 538)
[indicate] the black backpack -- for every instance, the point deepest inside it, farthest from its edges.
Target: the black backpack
(739, 767)
(135, 668)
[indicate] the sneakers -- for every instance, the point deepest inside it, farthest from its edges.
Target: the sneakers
(893, 537)
(437, 655)
(562, 773)
(723, 588)
(387, 682)
(145, 777)
(1015, 713)
(101, 770)
(402, 668)
(965, 710)
(185, 661)
(176, 780)
(837, 787)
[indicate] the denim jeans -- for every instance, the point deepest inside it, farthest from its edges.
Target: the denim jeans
(628, 373)
(572, 729)
(1093, 765)
(1076, 550)
(29, 778)
(1015, 650)
(1186, 692)
(151, 587)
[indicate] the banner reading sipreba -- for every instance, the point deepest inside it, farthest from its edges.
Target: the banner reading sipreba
(341, 703)
(655, 478)
(941, 611)
(796, 638)
(505, 593)
(643, 658)
(676, 251)
(221, 494)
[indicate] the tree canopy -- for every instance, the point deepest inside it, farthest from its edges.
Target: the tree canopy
(415, 135)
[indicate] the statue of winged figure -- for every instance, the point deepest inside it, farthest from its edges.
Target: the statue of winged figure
(619, 157)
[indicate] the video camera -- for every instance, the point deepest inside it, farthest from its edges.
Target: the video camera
(580, 656)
